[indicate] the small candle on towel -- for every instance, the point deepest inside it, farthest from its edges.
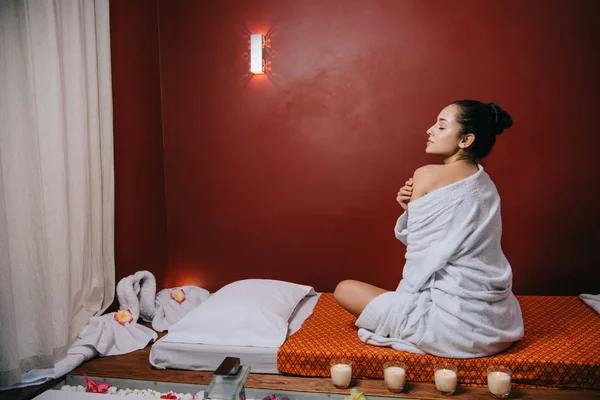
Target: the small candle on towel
(499, 381)
(341, 373)
(394, 375)
(445, 378)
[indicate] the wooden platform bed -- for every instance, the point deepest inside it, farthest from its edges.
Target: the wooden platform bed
(559, 358)
(136, 366)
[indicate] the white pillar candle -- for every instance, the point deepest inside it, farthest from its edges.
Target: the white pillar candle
(341, 375)
(445, 380)
(394, 378)
(499, 383)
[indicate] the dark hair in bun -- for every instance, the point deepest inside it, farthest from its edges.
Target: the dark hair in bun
(485, 121)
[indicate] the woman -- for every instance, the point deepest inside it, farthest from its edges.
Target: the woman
(455, 298)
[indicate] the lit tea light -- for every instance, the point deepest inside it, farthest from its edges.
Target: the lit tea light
(394, 376)
(499, 381)
(341, 373)
(445, 378)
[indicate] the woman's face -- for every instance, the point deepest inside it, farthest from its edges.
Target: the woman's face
(443, 135)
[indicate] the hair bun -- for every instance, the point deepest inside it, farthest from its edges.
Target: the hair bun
(501, 120)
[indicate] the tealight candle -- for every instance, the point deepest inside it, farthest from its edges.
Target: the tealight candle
(341, 373)
(499, 381)
(394, 375)
(445, 378)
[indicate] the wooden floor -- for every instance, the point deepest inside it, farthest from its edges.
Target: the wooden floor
(136, 366)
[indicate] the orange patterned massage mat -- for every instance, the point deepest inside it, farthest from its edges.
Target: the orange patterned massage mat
(561, 347)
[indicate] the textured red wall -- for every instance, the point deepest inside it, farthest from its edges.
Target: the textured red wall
(293, 176)
(140, 213)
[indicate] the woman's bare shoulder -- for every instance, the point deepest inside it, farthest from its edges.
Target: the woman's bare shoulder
(429, 172)
(431, 177)
(426, 178)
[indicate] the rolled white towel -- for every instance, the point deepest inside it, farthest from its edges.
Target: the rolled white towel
(172, 304)
(147, 294)
(127, 294)
(137, 293)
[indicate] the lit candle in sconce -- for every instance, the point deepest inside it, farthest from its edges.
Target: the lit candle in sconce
(341, 373)
(499, 381)
(445, 378)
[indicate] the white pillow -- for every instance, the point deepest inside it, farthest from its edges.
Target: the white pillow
(251, 312)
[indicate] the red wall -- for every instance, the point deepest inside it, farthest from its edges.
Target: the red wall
(140, 213)
(293, 175)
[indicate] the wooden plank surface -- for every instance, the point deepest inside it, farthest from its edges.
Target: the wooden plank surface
(136, 366)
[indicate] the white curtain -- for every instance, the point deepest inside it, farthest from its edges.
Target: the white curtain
(56, 178)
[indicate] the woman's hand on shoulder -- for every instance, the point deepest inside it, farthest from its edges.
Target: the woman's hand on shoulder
(418, 186)
(423, 180)
(404, 194)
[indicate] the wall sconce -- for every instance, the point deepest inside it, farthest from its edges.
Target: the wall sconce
(256, 53)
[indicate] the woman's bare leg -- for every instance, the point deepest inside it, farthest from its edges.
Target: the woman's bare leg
(355, 295)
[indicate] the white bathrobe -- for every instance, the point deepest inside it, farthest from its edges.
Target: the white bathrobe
(455, 298)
